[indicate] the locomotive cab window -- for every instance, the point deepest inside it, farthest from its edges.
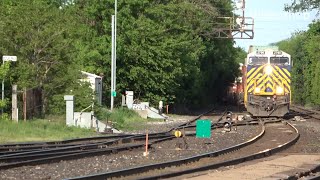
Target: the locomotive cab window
(280, 60)
(258, 60)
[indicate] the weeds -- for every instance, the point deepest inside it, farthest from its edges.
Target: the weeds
(40, 130)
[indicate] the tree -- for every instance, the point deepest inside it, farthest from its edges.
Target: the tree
(304, 50)
(42, 36)
(303, 5)
(160, 45)
(163, 52)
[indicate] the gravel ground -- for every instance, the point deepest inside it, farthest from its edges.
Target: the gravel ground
(275, 135)
(161, 152)
(309, 141)
(308, 144)
(162, 126)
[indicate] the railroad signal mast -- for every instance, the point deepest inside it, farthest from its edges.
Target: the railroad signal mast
(235, 27)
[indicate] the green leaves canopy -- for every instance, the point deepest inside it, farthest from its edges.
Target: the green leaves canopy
(304, 48)
(303, 5)
(162, 52)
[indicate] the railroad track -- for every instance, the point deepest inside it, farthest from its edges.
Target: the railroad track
(212, 160)
(312, 174)
(305, 112)
(72, 152)
(12, 148)
(25, 147)
(68, 153)
(21, 154)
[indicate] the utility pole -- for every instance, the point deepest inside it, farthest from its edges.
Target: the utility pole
(112, 61)
(115, 45)
(24, 96)
(114, 54)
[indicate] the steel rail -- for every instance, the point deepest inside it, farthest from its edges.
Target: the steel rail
(74, 151)
(306, 112)
(306, 174)
(11, 148)
(66, 141)
(181, 126)
(85, 146)
(31, 158)
(304, 109)
(261, 154)
(141, 169)
(76, 155)
(89, 145)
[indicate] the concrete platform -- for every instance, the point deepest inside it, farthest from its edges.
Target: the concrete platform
(276, 167)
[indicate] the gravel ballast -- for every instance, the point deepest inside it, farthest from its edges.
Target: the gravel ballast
(161, 152)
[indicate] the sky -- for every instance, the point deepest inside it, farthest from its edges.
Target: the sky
(272, 23)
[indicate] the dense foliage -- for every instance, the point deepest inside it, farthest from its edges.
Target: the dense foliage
(303, 5)
(162, 51)
(305, 50)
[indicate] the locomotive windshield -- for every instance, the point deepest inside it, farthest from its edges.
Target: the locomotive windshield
(279, 60)
(258, 60)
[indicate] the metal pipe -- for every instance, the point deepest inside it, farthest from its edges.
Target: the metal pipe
(112, 61)
(2, 92)
(115, 45)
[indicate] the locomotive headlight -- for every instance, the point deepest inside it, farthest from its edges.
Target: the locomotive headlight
(257, 90)
(279, 90)
(268, 70)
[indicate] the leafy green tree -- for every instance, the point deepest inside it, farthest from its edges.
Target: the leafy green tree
(42, 36)
(159, 45)
(241, 55)
(164, 50)
(294, 46)
(303, 5)
(304, 49)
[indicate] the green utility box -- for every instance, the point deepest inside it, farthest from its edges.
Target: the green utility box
(203, 129)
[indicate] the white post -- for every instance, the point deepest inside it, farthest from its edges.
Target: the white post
(112, 61)
(115, 44)
(2, 93)
(69, 110)
(14, 103)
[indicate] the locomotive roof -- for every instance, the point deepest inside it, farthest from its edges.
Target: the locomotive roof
(262, 48)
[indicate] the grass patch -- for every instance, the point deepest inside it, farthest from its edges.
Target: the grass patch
(53, 128)
(126, 119)
(50, 129)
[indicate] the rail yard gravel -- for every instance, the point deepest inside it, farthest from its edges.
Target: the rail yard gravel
(161, 152)
(309, 141)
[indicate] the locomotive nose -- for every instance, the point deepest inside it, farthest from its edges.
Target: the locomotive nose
(268, 70)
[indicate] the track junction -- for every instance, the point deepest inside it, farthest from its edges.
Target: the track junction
(122, 154)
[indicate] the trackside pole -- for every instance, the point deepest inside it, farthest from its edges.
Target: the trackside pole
(147, 139)
(115, 47)
(112, 61)
(14, 103)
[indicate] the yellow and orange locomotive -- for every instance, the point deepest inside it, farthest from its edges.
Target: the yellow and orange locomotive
(266, 81)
